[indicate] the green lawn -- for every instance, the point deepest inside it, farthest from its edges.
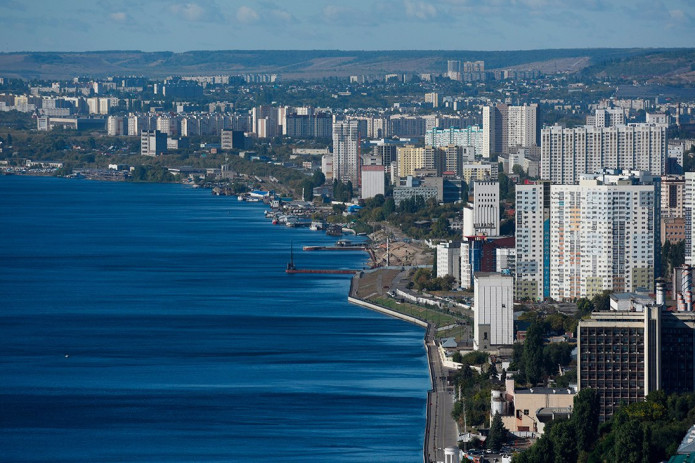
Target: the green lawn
(432, 316)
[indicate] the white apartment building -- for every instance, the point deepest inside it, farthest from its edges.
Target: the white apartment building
(604, 235)
(346, 151)
(493, 310)
(532, 278)
(688, 216)
(523, 124)
(115, 126)
(373, 181)
(607, 117)
(486, 208)
(448, 260)
(470, 136)
(568, 153)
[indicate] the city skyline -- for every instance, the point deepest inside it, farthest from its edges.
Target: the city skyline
(304, 25)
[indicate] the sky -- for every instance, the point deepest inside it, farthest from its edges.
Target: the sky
(171, 25)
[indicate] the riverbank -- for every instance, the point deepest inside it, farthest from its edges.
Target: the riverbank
(441, 430)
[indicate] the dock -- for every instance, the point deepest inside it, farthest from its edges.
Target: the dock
(335, 248)
(328, 271)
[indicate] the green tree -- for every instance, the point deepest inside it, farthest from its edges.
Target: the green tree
(497, 435)
(562, 435)
(602, 301)
(533, 353)
(318, 178)
(584, 307)
(585, 418)
(628, 441)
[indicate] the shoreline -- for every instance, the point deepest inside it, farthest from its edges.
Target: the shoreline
(433, 442)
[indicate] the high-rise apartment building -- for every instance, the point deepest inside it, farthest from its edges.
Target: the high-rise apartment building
(568, 153)
(672, 208)
(506, 127)
(532, 279)
(494, 123)
(410, 158)
(346, 159)
(688, 216)
(606, 117)
(265, 121)
(432, 98)
(486, 208)
(604, 235)
(116, 126)
(523, 125)
(453, 69)
(470, 136)
(152, 142)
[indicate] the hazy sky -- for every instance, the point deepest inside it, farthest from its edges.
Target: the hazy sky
(171, 25)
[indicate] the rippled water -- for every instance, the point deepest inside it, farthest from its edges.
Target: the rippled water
(143, 322)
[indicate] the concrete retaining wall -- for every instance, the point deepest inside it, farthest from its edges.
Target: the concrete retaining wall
(389, 312)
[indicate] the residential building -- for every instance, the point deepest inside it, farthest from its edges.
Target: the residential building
(116, 126)
(493, 310)
(409, 159)
(568, 153)
(607, 117)
(479, 254)
(470, 136)
(373, 181)
(505, 261)
(432, 99)
(449, 260)
(232, 139)
(152, 142)
(688, 216)
(532, 241)
(479, 171)
(346, 144)
(486, 208)
(523, 125)
(604, 235)
(494, 134)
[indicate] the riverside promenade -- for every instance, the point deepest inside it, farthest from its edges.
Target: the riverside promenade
(441, 430)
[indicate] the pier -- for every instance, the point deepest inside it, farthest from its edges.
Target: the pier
(335, 248)
(291, 269)
(329, 271)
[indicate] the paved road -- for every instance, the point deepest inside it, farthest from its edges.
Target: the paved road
(442, 430)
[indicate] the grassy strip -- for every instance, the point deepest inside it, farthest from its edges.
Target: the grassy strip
(434, 317)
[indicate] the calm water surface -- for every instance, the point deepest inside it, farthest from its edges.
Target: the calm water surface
(144, 322)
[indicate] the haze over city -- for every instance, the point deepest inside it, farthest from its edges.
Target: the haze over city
(158, 25)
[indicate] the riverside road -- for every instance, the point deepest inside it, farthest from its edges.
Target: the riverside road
(441, 427)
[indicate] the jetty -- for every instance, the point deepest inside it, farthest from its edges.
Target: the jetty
(329, 271)
(352, 247)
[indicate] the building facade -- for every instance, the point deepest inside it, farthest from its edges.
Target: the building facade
(627, 355)
(493, 310)
(532, 278)
(346, 157)
(568, 153)
(604, 235)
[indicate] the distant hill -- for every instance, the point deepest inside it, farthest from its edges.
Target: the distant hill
(301, 64)
(671, 67)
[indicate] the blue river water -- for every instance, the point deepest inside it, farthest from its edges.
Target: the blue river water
(144, 322)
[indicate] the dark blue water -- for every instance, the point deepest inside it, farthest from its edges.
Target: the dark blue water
(147, 323)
